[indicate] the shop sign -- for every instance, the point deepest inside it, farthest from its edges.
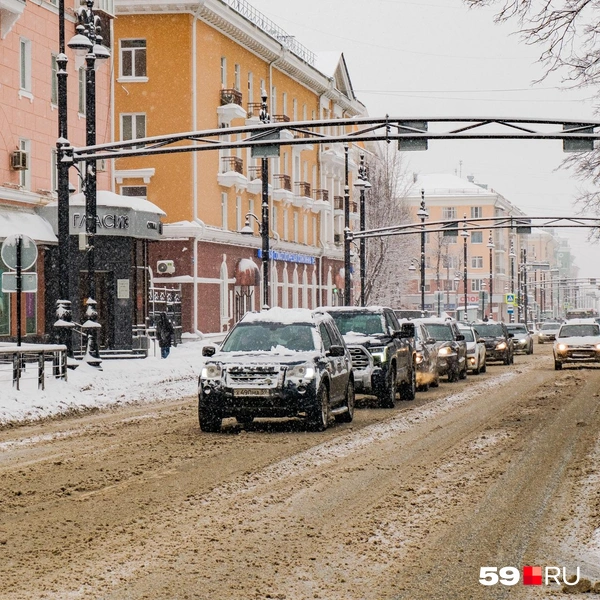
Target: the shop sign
(291, 257)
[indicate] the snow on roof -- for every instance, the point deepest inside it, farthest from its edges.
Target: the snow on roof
(375, 309)
(106, 198)
(287, 316)
(445, 184)
(27, 223)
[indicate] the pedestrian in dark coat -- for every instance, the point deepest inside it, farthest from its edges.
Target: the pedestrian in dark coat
(164, 334)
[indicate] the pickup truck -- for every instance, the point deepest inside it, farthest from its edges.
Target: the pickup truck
(382, 350)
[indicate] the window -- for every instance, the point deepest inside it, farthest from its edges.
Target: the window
(476, 285)
(476, 212)
(477, 262)
(54, 83)
(238, 213)
(285, 224)
(284, 103)
(477, 237)
(448, 212)
(133, 58)
(30, 313)
(295, 227)
(53, 171)
(251, 209)
(325, 337)
(294, 109)
(81, 88)
(4, 306)
(224, 211)
(250, 87)
(25, 174)
(25, 65)
(273, 100)
(138, 191)
(274, 217)
(133, 127)
(305, 228)
(237, 77)
(314, 231)
(223, 72)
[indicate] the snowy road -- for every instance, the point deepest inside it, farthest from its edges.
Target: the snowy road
(404, 503)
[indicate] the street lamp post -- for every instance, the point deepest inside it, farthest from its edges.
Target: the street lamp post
(465, 234)
(347, 233)
(422, 214)
(264, 228)
(88, 41)
(483, 285)
(525, 284)
(512, 256)
(491, 246)
(362, 184)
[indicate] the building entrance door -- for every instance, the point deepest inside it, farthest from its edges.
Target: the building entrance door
(104, 282)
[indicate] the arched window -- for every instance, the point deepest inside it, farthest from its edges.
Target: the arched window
(295, 287)
(224, 294)
(285, 292)
(304, 288)
(314, 289)
(329, 287)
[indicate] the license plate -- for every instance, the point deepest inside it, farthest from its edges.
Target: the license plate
(251, 392)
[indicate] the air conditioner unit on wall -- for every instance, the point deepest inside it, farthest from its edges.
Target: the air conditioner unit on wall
(165, 266)
(19, 160)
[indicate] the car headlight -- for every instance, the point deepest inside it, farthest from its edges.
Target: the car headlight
(501, 346)
(522, 342)
(445, 351)
(379, 354)
(302, 371)
(211, 372)
(419, 358)
(597, 346)
(563, 347)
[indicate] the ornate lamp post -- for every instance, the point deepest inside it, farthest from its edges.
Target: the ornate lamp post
(87, 43)
(465, 234)
(347, 232)
(363, 185)
(422, 214)
(483, 286)
(491, 246)
(264, 229)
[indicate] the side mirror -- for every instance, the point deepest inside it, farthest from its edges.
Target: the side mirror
(511, 335)
(208, 351)
(430, 340)
(336, 351)
(531, 331)
(460, 337)
(407, 330)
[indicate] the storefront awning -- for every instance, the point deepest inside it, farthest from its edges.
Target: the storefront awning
(116, 215)
(14, 221)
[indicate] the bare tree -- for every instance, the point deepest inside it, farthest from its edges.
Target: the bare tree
(388, 258)
(568, 33)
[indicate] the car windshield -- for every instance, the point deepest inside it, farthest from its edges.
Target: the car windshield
(550, 326)
(468, 333)
(365, 323)
(267, 336)
(579, 331)
(517, 329)
(489, 330)
(440, 332)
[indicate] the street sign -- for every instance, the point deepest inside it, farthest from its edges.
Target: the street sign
(510, 310)
(408, 143)
(450, 229)
(28, 251)
(578, 144)
(28, 282)
(266, 151)
(509, 299)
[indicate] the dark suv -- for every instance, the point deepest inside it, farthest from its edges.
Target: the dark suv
(383, 353)
(278, 363)
(498, 341)
(451, 347)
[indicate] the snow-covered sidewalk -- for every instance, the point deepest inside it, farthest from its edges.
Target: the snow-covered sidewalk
(121, 381)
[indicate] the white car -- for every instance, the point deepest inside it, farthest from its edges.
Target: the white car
(475, 350)
(547, 332)
(577, 341)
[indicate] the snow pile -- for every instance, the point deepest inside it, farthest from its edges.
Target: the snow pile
(120, 382)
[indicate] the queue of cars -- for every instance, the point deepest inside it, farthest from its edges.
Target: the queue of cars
(309, 364)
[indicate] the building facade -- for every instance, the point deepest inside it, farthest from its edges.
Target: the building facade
(183, 67)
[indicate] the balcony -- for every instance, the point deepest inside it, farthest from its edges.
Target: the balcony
(232, 173)
(231, 106)
(303, 198)
(255, 179)
(283, 188)
(10, 11)
(338, 205)
(254, 109)
(280, 119)
(321, 200)
(354, 210)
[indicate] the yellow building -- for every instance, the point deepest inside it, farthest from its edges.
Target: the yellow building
(184, 67)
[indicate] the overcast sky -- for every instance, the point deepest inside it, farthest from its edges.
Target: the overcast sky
(437, 58)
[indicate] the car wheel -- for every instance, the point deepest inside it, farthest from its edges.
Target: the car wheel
(346, 417)
(423, 387)
(512, 359)
(408, 390)
(484, 367)
(317, 417)
(531, 348)
(477, 369)
(388, 396)
(453, 374)
(506, 360)
(540, 342)
(557, 365)
(436, 380)
(209, 420)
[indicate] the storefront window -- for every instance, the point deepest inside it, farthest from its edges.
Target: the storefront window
(4, 306)
(30, 313)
